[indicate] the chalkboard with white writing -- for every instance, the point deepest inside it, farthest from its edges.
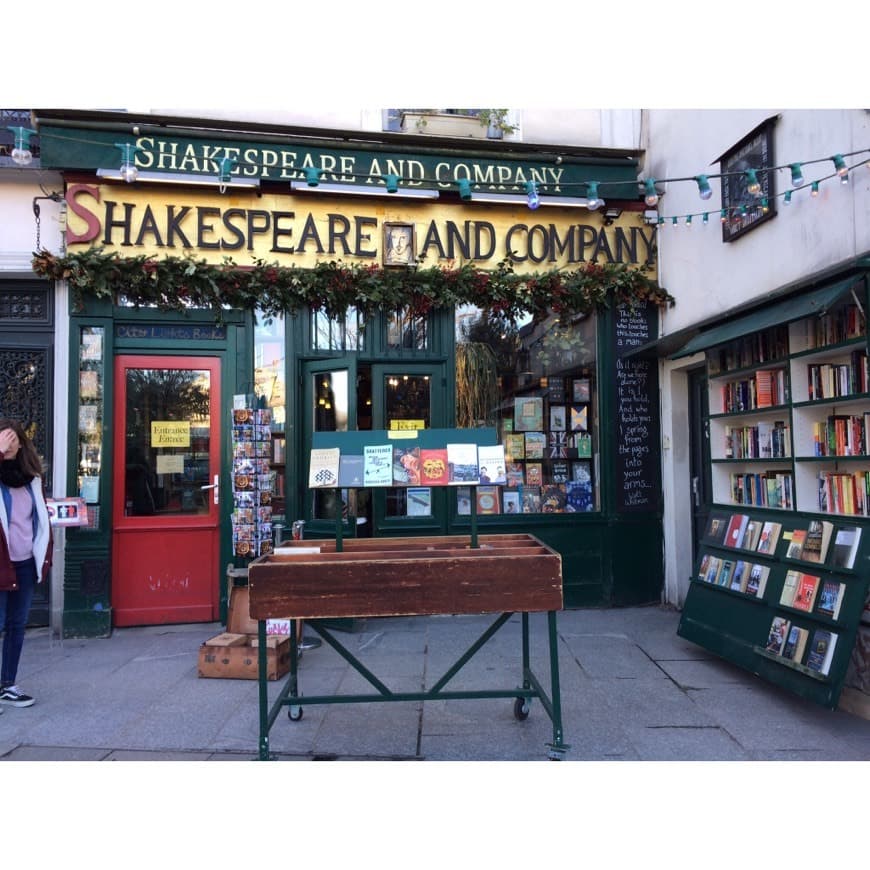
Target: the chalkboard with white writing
(636, 387)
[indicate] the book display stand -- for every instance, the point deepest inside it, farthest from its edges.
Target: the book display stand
(317, 580)
(781, 577)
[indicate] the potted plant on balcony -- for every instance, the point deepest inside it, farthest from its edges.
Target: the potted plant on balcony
(495, 121)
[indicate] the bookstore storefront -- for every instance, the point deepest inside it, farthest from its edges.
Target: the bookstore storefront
(347, 312)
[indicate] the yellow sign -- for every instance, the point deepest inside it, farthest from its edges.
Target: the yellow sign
(170, 433)
(302, 230)
(398, 425)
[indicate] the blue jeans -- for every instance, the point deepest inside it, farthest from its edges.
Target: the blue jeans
(14, 609)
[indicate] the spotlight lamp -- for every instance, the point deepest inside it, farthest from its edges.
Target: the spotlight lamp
(532, 193)
(312, 175)
(651, 198)
(129, 170)
(21, 153)
(753, 185)
(464, 188)
(797, 176)
(593, 201)
(704, 189)
(392, 182)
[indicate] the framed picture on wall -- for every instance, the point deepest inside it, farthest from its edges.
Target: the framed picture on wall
(745, 210)
(399, 244)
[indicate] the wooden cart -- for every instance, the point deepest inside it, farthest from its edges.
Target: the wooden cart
(414, 576)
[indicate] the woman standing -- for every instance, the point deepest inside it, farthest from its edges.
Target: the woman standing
(25, 548)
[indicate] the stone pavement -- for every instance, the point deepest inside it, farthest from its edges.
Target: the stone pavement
(632, 690)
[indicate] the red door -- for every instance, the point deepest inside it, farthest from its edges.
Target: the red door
(165, 540)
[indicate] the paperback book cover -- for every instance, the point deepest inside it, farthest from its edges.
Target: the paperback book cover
(536, 442)
(579, 418)
(713, 568)
(487, 500)
(559, 472)
(534, 473)
(406, 466)
(777, 635)
(821, 652)
(323, 470)
(579, 495)
(462, 464)
(751, 535)
(531, 499)
(769, 538)
(831, 598)
(583, 443)
(789, 588)
(433, 466)
(554, 498)
(514, 474)
(739, 576)
(510, 499)
(805, 593)
(378, 464)
(350, 470)
(846, 542)
(491, 460)
(514, 447)
(816, 541)
(736, 528)
(419, 501)
(724, 578)
(795, 644)
(463, 500)
(528, 413)
(717, 525)
(757, 581)
(558, 445)
(796, 545)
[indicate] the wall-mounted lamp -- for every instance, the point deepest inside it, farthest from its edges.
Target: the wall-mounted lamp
(610, 215)
(359, 190)
(179, 178)
(523, 199)
(21, 153)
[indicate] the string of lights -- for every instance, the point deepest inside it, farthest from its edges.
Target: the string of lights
(533, 190)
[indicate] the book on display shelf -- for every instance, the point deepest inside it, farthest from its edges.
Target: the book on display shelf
(350, 470)
(717, 525)
(831, 598)
(757, 581)
(488, 500)
(789, 588)
(769, 538)
(795, 644)
(796, 544)
(816, 541)
(724, 578)
(821, 651)
(736, 527)
(805, 593)
(845, 548)
(739, 576)
(323, 470)
(752, 535)
(777, 635)
(462, 464)
(433, 466)
(378, 464)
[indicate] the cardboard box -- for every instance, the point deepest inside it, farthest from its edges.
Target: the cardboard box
(234, 653)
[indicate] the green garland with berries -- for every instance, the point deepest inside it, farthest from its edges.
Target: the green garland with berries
(178, 283)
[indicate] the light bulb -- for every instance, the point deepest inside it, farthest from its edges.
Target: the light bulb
(689, 222)
(652, 197)
(753, 185)
(787, 199)
(814, 190)
(129, 172)
(797, 176)
(840, 166)
(704, 189)
(22, 156)
(592, 200)
(674, 222)
(706, 219)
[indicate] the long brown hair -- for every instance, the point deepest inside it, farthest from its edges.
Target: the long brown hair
(27, 458)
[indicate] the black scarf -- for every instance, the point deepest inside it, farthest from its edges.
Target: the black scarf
(12, 475)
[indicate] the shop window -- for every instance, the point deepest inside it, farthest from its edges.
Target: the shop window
(406, 330)
(270, 392)
(334, 333)
(535, 382)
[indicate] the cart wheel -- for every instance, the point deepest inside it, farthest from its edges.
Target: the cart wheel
(521, 709)
(295, 713)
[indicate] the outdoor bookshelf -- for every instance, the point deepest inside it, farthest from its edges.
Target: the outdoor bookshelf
(789, 411)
